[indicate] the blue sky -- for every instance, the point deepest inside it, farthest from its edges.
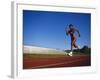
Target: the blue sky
(47, 29)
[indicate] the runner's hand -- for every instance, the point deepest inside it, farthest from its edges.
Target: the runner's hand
(79, 35)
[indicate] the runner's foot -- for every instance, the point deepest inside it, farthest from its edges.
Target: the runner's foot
(70, 54)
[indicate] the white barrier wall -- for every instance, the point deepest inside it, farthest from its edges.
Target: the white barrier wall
(40, 50)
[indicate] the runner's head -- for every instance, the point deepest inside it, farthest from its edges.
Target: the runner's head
(70, 26)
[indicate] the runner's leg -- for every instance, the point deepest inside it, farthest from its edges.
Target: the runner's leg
(74, 43)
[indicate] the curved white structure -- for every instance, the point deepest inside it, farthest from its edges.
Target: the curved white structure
(40, 50)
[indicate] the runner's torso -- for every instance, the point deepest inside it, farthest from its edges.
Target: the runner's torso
(71, 32)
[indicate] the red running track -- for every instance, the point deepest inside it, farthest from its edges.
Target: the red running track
(65, 61)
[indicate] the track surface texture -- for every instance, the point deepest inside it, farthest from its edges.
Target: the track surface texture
(31, 61)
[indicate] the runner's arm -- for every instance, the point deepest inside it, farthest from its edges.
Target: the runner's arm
(78, 32)
(67, 32)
